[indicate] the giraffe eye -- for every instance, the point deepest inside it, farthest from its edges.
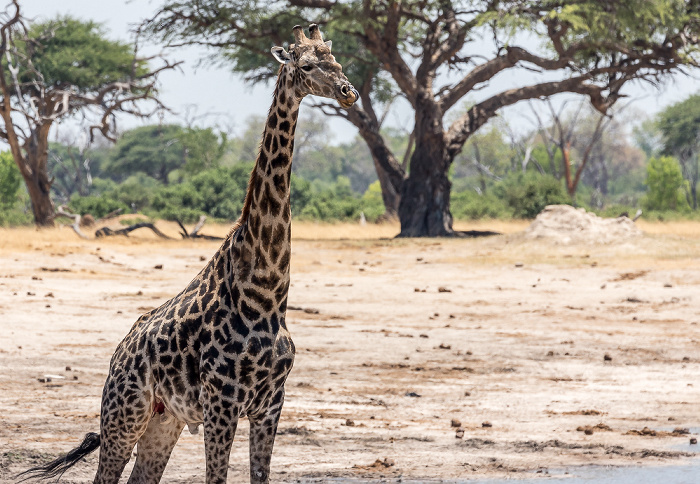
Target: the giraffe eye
(307, 68)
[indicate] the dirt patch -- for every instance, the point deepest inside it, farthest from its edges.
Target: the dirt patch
(564, 224)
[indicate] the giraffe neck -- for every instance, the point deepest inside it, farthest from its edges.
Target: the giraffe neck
(266, 219)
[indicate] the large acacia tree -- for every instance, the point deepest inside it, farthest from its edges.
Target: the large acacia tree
(60, 69)
(434, 52)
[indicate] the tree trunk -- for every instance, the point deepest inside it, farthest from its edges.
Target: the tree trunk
(39, 189)
(391, 195)
(424, 210)
(33, 166)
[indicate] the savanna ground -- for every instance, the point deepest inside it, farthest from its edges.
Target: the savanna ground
(418, 360)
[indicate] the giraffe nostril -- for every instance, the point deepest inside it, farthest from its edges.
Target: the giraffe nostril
(344, 90)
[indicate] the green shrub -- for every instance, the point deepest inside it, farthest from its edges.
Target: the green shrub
(96, 205)
(527, 194)
(666, 186)
(470, 205)
(218, 192)
(10, 180)
(372, 202)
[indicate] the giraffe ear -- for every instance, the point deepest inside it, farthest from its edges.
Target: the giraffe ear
(281, 55)
(329, 43)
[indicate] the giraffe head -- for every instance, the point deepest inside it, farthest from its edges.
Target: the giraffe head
(313, 69)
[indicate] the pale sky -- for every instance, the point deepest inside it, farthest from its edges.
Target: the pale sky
(216, 90)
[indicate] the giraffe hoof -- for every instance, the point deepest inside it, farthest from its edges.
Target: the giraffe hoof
(193, 428)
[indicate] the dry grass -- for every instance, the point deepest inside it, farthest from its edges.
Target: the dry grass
(22, 239)
(681, 228)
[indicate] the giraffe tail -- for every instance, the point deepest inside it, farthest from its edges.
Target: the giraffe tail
(57, 467)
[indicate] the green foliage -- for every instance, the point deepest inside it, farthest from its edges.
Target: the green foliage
(218, 192)
(372, 202)
(76, 53)
(527, 194)
(517, 196)
(666, 185)
(14, 209)
(95, 205)
(335, 201)
(161, 151)
(10, 180)
(679, 125)
(470, 205)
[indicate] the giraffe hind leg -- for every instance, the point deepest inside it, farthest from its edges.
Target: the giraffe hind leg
(154, 449)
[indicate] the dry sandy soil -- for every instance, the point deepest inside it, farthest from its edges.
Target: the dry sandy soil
(521, 344)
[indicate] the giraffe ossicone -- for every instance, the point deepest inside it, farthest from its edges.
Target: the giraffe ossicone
(219, 350)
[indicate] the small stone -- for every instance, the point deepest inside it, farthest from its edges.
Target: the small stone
(693, 441)
(685, 358)
(30, 293)
(467, 394)
(486, 424)
(519, 264)
(607, 357)
(68, 368)
(75, 377)
(588, 431)
(444, 289)
(41, 380)
(443, 346)
(424, 336)
(48, 294)
(158, 266)
(416, 289)
(412, 394)
(349, 423)
(140, 293)
(455, 423)
(550, 353)
(459, 433)
(668, 285)
(202, 258)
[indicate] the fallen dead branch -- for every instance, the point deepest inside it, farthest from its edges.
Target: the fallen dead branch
(195, 231)
(63, 211)
(107, 232)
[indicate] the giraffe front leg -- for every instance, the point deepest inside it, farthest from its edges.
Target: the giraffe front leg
(220, 423)
(263, 429)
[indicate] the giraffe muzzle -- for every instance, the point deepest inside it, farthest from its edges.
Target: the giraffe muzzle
(348, 95)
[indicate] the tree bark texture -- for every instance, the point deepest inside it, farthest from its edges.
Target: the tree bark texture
(424, 210)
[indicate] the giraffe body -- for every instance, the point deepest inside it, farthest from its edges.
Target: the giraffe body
(220, 350)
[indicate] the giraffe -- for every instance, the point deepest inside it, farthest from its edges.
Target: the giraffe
(220, 350)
